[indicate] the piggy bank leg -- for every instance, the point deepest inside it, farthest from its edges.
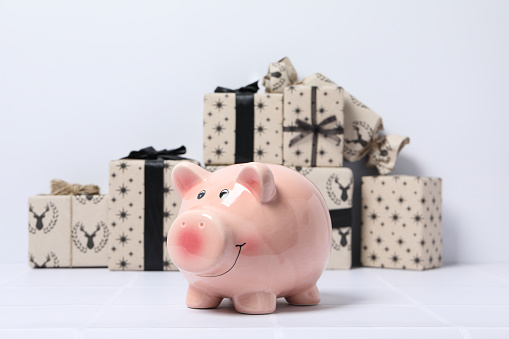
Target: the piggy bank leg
(255, 303)
(198, 299)
(309, 297)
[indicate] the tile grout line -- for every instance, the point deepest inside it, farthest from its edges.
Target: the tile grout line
(477, 270)
(105, 305)
(276, 327)
(463, 331)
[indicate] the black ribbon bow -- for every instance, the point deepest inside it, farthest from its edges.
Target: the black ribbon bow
(149, 153)
(251, 88)
(306, 129)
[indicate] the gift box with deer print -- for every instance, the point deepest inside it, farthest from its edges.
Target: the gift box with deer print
(68, 231)
(242, 126)
(401, 222)
(336, 186)
(313, 126)
(142, 207)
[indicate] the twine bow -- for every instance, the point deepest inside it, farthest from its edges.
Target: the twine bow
(61, 187)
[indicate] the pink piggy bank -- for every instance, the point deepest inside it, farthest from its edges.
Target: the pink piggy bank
(250, 232)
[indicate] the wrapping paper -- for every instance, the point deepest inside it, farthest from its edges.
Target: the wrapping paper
(225, 128)
(313, 126)
(401, 222)
(385, 151)
(68, 231)
(142, 207)
(336, 186)
(361, 124)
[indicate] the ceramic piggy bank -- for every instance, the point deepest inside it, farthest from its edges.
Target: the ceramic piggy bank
(250, 232)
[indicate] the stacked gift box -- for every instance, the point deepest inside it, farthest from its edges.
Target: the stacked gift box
(310, 126)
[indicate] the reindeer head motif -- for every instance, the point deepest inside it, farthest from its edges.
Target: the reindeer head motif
(43, 265)
(344, 240)
(39, 225)
(90, 237)
(344, 189)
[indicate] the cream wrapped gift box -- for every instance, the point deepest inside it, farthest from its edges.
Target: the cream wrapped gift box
(336, 186)
(313, 126)
(242, 126)
(142, 207)
(401, 222)
(68, 230)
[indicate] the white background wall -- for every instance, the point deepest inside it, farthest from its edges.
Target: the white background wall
(85, 82)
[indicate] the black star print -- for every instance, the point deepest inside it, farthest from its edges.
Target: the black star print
(373, 257)
(218, 152)
(260, 105)
(401, 241)
(113, 248)
(422, 243)
(373, 216)
(417, 218)
(423, 200)
(123, 166)
(297, 110)
(394, 258)
(123, 190)
(219, 128)
(401, 199)
(167, 214)
(395, 217)
(260, 129)
(166, 263)
(378, 240)
(297, 152)
(123, 264)
(113, 199)
(219, 105)
(209, 114)
(209, 137)
(291, 89)
(322, 152)
(379, 199)
(113, 175)
(260, 152)
(167, 190)
(123, 239)
(417, 260)
(123, 215)
(322, 110)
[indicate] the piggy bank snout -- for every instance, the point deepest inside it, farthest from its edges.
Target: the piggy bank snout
(195, 241)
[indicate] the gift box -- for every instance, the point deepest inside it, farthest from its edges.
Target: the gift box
(336, 186)
(313, 126)
(68, 230)
(142, 207)
(401, 222)
(242, 126)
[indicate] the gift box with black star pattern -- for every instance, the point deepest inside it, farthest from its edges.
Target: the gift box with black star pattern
(68, 231)
(313, 126)
(401, 222)
(244, 127)
(142, 207)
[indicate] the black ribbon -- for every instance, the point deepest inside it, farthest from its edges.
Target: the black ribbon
(244, 120)
(153, 232)
(314, 128)
(341, 218)
(149, 153)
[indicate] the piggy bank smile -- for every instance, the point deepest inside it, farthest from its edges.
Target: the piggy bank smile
(218, 275)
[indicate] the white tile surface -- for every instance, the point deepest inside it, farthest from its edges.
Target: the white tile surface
(469, 301)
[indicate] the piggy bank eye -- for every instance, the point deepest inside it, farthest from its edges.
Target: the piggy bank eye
(223, 194)
(201, 194)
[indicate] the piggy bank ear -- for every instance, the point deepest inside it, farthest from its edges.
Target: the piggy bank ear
(185, 175)
(259, 180)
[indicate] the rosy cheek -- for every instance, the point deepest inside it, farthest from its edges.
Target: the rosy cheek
(252, 247)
